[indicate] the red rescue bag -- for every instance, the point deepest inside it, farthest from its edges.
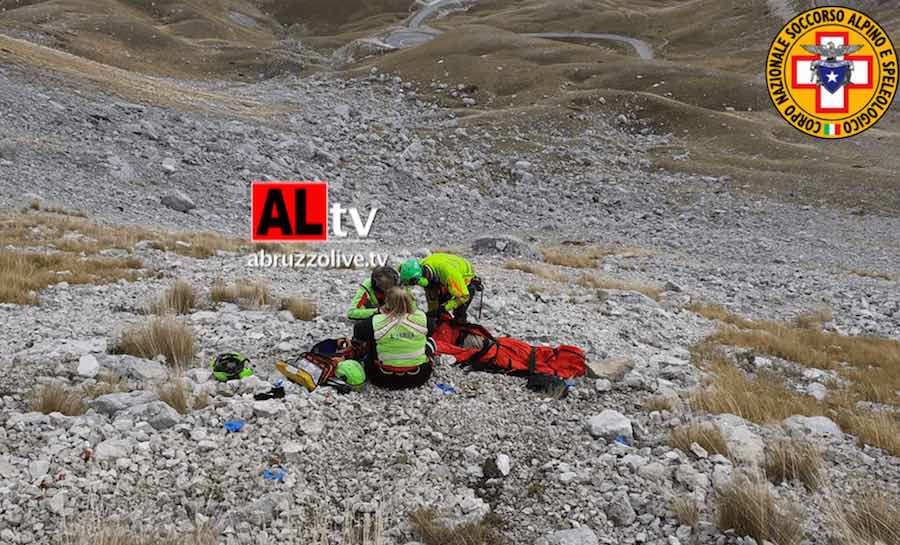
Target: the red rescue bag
(505, 354)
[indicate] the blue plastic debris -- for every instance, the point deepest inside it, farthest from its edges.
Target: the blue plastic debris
(446, 389)
(276, 475)
(234, 426)
(622, 440)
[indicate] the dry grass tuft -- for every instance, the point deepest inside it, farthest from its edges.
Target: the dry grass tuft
(107, 383)
(177, 299)
(165, 336)
(686, 511)
(747, 507)
(24, 274)
(660, 403)
(868, 519)
(587, 281)
(247, 293)
(875, 361)
(876, 428)
(815, 319)
(873, 274)
(99, 533)
(580, 258)
(707, 435)
(300, 308)
(431, 531)
(789, 460)
(764, 400)
(58, 398)
(175, 393)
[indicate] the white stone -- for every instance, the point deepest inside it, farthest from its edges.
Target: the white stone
(574, 536)
(503, 464)
(811, 425)
(745, 446)
(268, 408)
(88, 366)
(602, 385)
(817, 390)
(39, 468)
(609, 425)
(112, 449)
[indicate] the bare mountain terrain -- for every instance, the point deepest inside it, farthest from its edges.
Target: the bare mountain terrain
(732, 282)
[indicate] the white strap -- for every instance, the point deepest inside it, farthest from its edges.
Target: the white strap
(385, 327)
(407, 356)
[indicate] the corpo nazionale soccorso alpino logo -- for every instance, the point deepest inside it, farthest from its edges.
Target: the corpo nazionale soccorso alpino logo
(832, 72)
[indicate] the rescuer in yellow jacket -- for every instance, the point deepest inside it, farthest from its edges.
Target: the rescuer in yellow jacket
(449, 281)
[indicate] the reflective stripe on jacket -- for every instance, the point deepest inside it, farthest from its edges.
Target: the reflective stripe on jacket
(365, 303)
(400, 340)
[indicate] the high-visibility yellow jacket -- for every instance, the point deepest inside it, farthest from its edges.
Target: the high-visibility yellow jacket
(453, 273)
(400, 340)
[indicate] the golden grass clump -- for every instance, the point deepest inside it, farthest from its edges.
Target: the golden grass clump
(24, 274)
(788, 460)
(431, 531)
(764, 400)
(300, 308)
(867, 519)
(747, 507)
(876, 428)
(179, 298)
(707, 435)
(107, 383)
(166, 336)
(251, 294)
(175, 393)
(587, 281)
(100, 533)
(686, 511)
(55, 397)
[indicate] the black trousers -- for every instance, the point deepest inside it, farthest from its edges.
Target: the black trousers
(364, 332)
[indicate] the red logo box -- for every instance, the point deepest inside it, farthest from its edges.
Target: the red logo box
(289, 211)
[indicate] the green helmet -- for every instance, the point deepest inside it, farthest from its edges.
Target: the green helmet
(230, 366)
(351, 372)
(410, 271)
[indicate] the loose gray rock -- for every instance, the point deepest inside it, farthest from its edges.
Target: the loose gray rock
(612, 369)
(178, 201)
(88, 366)
(157, 413)
(812, 425)
(503, 245)
(609, 425)
(744, 445)
(574, 536)
(113, 449)
(111, 404)
(620, 511)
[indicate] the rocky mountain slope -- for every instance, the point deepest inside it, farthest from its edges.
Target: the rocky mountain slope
(610, 252)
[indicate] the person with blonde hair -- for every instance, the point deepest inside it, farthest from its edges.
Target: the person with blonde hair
(400, 352)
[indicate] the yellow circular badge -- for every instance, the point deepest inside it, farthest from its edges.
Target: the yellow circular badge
(832, 72)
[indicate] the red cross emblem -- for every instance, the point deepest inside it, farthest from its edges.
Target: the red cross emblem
(839, 102)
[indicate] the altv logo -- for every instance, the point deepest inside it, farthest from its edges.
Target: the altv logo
(299, 212)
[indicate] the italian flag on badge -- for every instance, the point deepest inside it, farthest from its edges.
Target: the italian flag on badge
(832, 129)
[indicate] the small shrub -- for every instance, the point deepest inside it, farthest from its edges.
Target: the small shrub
(431, 531)
(747, 507)
(301, 309)
(587, 281)
(55, 397)
(870, 518)
(686, 511)
(707, 435)
(790, 460)
(179, 298)
(166, 336)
